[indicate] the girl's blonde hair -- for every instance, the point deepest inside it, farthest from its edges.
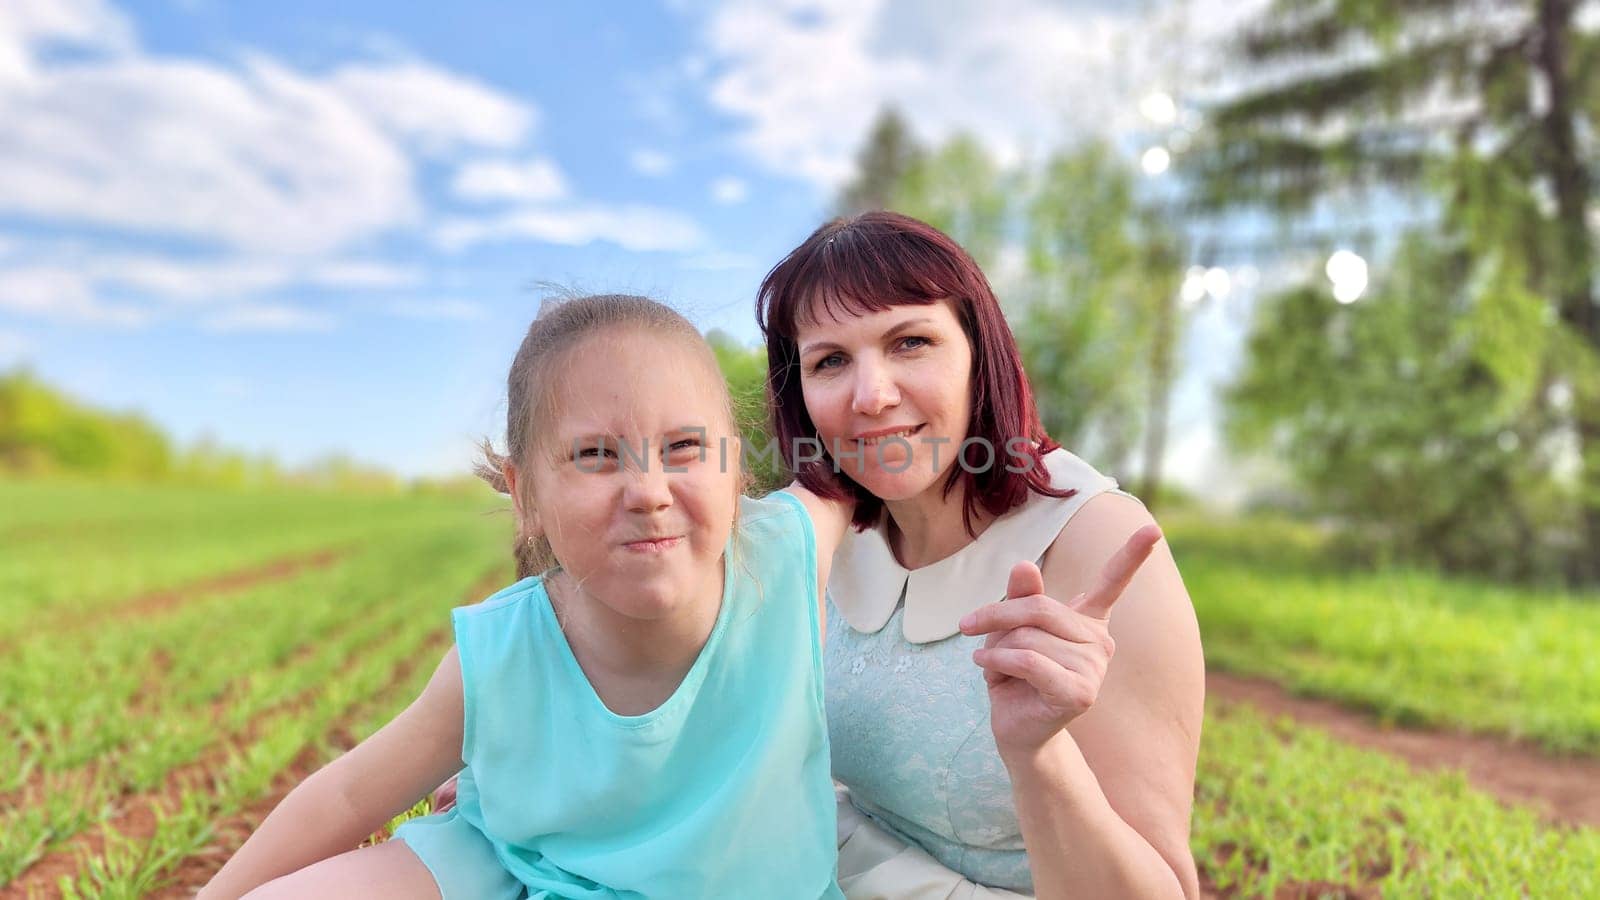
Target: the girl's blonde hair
(533, 386)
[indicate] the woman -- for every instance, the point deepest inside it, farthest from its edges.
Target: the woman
(986, 747)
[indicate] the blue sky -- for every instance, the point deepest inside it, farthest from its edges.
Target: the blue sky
(306, 227)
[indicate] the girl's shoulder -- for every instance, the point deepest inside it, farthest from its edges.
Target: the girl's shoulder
(775, 533)
(518, 593)
(776, 517)
(778, 503)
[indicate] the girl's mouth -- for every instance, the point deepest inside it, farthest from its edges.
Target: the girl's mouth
(655, 545)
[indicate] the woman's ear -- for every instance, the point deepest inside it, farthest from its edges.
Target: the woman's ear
(527, 518)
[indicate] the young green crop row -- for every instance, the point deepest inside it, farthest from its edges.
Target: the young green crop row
(1413, 647)
(71, 551)
(90, 717)
(376, 685)
(1279, 806)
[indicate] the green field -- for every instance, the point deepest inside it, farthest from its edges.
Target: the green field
(1413, 647)
(172, 653)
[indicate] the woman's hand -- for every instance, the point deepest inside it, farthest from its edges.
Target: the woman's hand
(1045, 660)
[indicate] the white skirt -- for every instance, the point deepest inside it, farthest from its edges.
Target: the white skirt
(875, 865)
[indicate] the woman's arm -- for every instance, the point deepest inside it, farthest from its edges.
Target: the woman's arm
(1105, 805)
(1101, 754)
(344, 802)
(829, 519)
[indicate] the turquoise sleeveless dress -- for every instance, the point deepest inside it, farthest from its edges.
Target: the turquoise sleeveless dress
(721, 791)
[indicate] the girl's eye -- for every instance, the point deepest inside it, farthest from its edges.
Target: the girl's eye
(595, 453)
(685, 444)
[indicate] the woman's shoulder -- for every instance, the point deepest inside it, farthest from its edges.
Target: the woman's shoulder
(1039, 521)
(1098, 528)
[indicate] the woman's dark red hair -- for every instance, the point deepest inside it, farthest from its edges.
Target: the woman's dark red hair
(871, 262)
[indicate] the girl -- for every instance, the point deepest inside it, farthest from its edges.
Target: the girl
(644, 718)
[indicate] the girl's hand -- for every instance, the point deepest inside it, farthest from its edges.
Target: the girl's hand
(1045, 660)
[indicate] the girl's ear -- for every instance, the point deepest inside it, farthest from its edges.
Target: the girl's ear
(527, 519)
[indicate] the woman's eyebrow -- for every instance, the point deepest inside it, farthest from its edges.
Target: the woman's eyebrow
(830, 345)
(909, 323)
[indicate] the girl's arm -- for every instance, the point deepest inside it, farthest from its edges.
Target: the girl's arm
(344, 802)
(829, 519)
(1104, 805)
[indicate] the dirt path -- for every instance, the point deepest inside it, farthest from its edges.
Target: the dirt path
(1563, 789)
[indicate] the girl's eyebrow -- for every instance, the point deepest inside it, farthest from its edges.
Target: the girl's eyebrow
(829, 345)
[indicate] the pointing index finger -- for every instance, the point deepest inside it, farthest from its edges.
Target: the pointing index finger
(1119, 570)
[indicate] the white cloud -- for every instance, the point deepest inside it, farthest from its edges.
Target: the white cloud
(806, 80)
(653, 163)
(353, 273)
(62, 295)
(201, 281)
(252, 154)
(629, 227)
(440, 110)
(26, 24)
(531, 180)
(266, 317)
(729, 190)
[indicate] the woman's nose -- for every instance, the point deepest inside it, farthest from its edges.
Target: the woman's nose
(875, 391)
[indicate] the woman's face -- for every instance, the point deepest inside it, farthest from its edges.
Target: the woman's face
(890, 394)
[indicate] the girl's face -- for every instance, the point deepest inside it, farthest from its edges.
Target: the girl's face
(630, 483)
(906, 371)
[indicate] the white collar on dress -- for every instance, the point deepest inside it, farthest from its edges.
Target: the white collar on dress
(866, 580)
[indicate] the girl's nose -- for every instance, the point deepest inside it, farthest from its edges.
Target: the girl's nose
(647, 488)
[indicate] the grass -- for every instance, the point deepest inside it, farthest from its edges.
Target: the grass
(1413, 647)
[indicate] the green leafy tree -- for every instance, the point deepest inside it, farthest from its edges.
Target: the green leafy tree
(1486, 112)
(960, 190)
(1099, 333)
(42, 430)
(1407, 414)
(889, 153)
(745, 369)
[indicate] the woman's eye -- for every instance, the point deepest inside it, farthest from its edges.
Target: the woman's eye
(831, 361)
(914, 343)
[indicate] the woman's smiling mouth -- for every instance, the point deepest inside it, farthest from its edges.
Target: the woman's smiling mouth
(874, 438)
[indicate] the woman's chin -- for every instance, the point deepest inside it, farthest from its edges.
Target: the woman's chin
(890, 486)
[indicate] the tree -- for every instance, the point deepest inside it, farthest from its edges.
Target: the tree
(1491, 109)
(960, 191)
(745, 370)
(890, 151)
(1099, 334)
(1407, 414)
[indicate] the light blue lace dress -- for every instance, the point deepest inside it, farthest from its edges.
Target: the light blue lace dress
(908, 713)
